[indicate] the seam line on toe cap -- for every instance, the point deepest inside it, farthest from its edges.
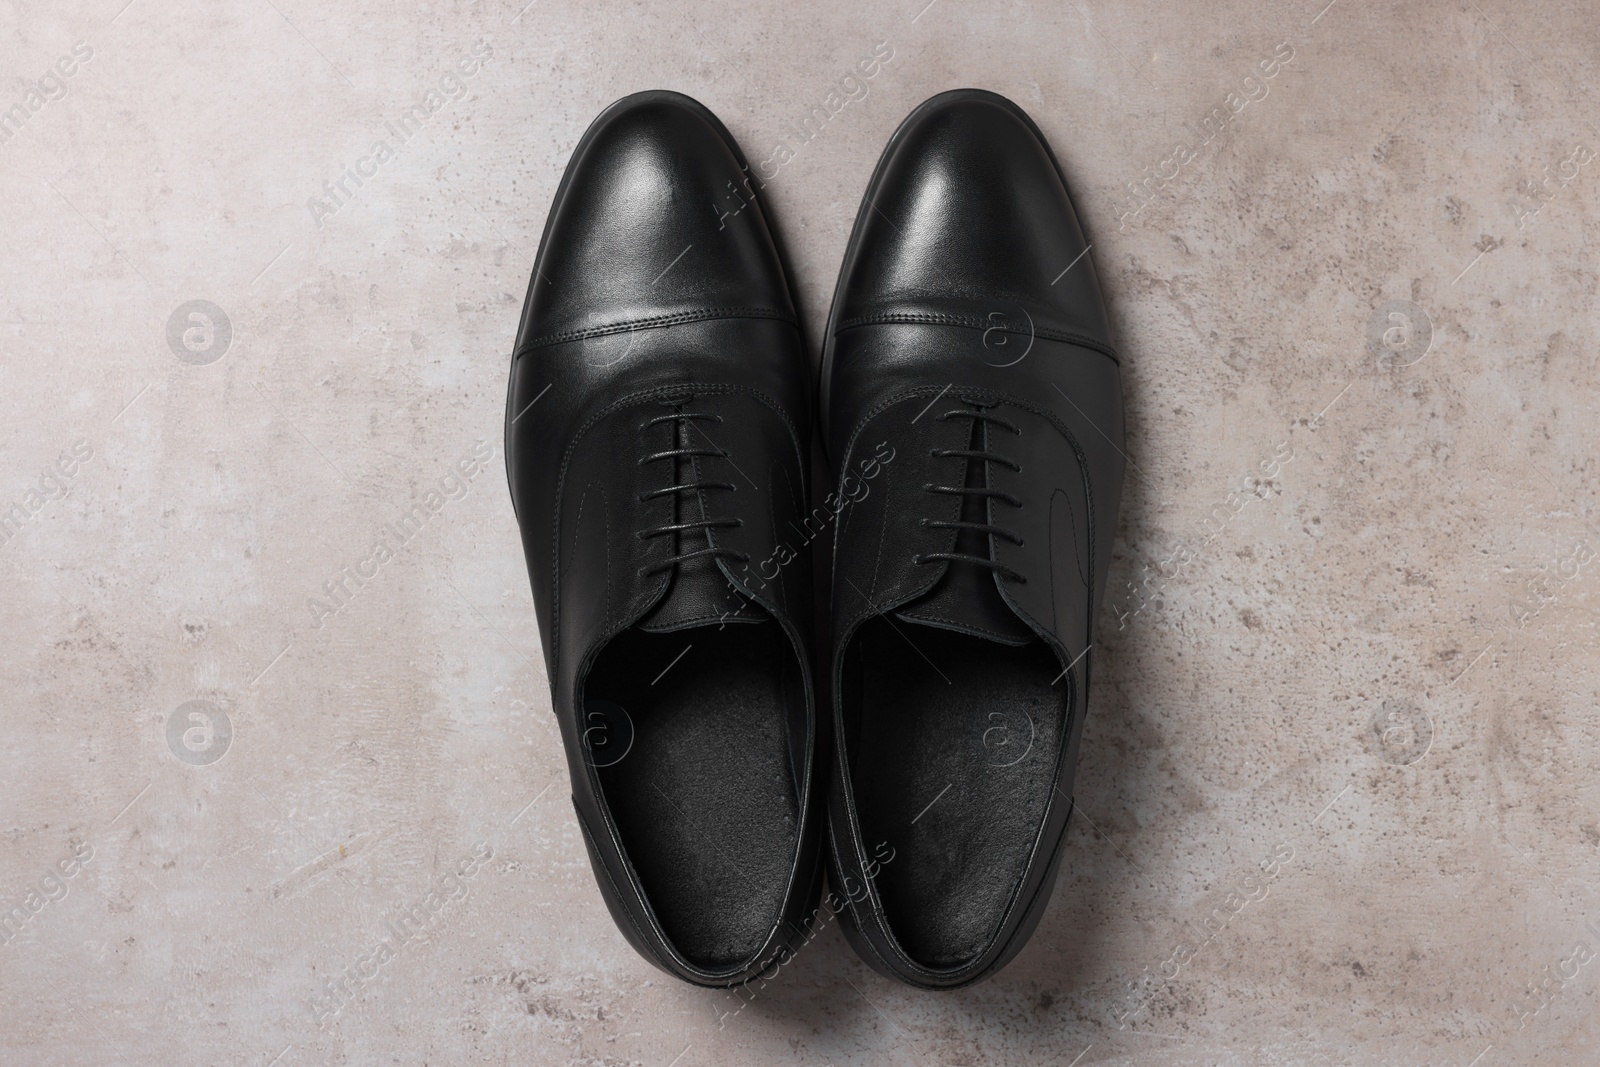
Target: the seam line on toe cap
(654, 322)
(940, 319)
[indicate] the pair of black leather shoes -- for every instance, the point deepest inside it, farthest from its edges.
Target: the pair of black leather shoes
(658, 438)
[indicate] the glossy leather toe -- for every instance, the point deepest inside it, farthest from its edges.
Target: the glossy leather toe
(644, 230)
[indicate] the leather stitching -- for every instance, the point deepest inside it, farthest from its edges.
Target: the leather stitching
(650, 323)
(669, 963)
(1083, 469)
(1077, 556)
(622, 898)
(838, 536)
(577, 527)
(873, 913)
(778, 593)
(877, 561)
(904, 964)
(964, 626)
(1055, 617)
(701, 618)
(622, 403)
(571, 450)
(974, 323)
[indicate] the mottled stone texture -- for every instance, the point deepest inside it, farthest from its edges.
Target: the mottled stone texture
(1337, 801)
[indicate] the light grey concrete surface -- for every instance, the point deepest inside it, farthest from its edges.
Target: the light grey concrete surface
(1337, 794)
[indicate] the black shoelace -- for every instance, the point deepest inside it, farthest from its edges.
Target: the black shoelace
(682, 422)
(979, 417)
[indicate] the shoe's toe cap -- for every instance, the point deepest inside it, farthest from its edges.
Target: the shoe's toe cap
(656, 218)
(969, 212)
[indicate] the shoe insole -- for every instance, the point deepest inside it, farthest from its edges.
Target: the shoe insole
(705, 799)
(953, 756)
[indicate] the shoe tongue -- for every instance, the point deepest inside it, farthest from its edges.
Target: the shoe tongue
(700, 595)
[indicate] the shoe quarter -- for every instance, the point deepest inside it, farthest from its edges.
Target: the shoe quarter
(1056, 525)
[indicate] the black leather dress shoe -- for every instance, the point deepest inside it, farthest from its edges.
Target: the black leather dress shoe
(968, 365)
(656, 444)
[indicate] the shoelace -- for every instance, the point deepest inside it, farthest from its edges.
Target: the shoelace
(682, 421)
(978, 416)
